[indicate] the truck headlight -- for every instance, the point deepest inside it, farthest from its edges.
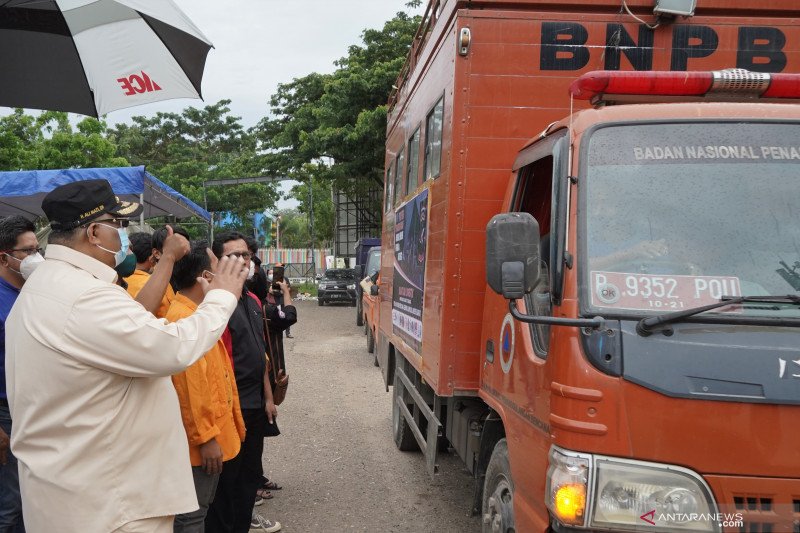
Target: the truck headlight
(352, 287)
(567, 483)
(607, 493)
(632, 495)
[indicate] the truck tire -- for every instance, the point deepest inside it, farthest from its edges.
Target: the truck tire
(359, 313)
(370, 341)
(320, 302)
(403, 438)
(498, 492)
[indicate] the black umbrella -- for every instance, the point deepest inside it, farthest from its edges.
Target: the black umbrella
(93, 57)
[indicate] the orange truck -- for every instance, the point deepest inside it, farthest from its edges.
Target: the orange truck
(369, 297)
(601, 321)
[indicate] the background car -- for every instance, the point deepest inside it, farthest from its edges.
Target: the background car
(337, 285)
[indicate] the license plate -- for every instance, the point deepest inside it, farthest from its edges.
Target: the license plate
(336, 295)
(642, 292)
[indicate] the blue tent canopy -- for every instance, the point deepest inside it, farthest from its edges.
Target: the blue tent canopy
(21, 193)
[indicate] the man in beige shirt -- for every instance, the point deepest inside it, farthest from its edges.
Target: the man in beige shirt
(97, 425)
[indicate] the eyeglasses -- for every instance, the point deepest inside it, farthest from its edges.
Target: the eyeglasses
(244, 255)
(27, 251)
(122, 222)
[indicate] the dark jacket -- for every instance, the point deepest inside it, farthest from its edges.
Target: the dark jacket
(246, 327)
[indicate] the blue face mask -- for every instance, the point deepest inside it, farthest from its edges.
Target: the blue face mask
(119, 255)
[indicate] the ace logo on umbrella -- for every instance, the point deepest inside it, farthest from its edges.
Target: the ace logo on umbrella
(135, 84)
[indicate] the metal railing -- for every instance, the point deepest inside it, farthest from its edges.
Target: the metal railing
(429, 19)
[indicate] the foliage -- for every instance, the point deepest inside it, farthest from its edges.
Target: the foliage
(294, 229)
(320, 194)
(48, 141)
(185, 150)
(307, 288)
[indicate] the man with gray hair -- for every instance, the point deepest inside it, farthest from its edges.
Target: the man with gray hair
(97, 425)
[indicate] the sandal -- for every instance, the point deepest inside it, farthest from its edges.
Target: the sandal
(264, 494)
(271, 485)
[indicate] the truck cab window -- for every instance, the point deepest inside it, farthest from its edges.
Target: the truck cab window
(535, 197)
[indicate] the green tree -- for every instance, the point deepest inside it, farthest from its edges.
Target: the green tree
(199, 145)
(319, 195)
(294, 229)
(333, 126)
(48, 141)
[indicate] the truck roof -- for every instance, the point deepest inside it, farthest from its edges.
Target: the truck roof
(582, 120)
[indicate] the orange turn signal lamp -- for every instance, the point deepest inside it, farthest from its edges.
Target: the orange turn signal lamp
(570, 504)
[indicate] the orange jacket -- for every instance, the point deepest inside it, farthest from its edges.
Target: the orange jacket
(208, 395)
(135, 283)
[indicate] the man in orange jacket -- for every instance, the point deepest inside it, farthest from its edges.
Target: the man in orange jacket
(207, 392)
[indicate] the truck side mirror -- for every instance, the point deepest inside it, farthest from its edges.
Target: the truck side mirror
(373, 290)
(512, 254)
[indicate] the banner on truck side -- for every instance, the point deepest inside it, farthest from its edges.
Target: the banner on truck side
(410, 249)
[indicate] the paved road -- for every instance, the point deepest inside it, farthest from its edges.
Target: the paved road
(336, 459)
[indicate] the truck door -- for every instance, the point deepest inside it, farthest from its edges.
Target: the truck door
(515, 376)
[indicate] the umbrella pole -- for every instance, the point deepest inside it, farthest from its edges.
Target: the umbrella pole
(141, 215)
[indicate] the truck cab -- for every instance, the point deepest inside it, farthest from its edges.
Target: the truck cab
(644, 359)
(363, 251)
(369, 297)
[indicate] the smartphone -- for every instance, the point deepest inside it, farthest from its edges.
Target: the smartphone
(277, 275)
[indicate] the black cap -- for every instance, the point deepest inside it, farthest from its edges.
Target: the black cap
(80, 202)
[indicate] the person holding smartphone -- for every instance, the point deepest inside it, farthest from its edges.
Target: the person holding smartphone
(278, 297)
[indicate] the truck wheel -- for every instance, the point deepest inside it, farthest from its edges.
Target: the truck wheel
(370, 341)
(498, 492)
(359, 314)
(403, 438)
(320, 302)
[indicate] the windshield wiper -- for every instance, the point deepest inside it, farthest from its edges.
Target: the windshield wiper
(647, 325)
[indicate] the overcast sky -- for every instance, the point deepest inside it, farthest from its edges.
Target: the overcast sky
(261, 43)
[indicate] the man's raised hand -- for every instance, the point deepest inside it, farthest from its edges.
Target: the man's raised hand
(175, 246)
(230, 275)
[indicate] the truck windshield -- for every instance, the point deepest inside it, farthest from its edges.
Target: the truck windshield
(373, 262)
(679, 215)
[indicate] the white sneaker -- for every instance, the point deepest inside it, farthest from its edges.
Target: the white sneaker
(259, 524)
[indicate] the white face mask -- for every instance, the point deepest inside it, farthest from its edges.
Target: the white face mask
(252, 271)
(28, 265)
